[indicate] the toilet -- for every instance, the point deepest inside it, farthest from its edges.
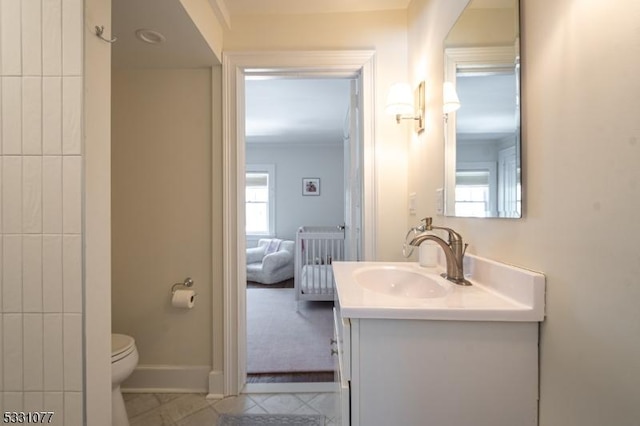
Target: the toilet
(124, 358)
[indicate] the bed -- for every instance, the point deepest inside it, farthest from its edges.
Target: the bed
(316, 248)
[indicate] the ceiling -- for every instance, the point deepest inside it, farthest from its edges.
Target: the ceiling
(287, 110)
(277, 110)
(488, 105)
(184, 46)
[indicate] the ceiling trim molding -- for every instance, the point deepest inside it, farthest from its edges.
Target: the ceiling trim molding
(221, 11)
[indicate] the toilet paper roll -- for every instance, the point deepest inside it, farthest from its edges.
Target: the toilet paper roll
(183, 299)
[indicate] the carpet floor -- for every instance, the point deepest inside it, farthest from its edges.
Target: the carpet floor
(283, 339)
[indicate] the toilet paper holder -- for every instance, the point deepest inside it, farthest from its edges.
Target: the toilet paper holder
(188, 282)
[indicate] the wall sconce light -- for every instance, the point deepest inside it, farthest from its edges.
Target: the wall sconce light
(400, 102)
(450, 100)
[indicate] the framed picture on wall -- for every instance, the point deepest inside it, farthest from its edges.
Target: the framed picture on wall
(310, 186)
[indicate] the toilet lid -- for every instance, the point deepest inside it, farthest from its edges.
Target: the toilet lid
(121, 344)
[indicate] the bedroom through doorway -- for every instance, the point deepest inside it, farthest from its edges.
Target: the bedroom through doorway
(302, 165)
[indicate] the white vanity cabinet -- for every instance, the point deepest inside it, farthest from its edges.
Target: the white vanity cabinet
(343, 366)
(397, 368)
(453, 373)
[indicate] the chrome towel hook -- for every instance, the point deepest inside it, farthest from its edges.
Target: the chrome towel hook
(100, 31)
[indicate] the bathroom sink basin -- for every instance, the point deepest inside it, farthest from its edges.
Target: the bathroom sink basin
(405, 290)
(400, 282)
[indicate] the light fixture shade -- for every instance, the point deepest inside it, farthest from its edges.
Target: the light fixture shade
(450, 100)
(400, 100)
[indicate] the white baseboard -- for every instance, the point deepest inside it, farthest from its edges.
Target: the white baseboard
(216, 385)
(168, 379)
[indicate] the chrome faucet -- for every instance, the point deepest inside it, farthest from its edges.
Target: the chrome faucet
(453, 250)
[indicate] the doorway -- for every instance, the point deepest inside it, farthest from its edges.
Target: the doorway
(299, 165)
(356, 64)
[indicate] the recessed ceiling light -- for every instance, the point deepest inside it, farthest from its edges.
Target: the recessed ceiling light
(150, 36)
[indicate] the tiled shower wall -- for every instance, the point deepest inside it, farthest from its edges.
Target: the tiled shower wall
(41, 362)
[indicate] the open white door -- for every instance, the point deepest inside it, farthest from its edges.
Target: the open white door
(352, 178)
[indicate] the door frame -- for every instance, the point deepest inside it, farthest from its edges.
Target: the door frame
(305, 63)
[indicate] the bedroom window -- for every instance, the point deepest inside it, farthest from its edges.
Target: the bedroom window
(471, 200)
(472, 193)
(260, 200)
(476, 189)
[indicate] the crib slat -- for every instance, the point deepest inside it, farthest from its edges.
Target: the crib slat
(323, 278)
(316, 249)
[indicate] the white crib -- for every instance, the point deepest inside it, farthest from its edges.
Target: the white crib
(316, 248)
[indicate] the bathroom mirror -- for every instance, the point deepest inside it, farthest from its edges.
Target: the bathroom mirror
(482, 137)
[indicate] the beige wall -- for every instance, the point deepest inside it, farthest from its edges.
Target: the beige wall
(162, 211)
(384, 32)
(582, 189)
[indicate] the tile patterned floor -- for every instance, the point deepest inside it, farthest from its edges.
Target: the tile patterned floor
(147, 409)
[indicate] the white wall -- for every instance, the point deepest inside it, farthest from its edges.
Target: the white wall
(41, 307)
(581, 188)
(294, 163)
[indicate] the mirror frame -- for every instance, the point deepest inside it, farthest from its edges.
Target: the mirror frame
(473, 58)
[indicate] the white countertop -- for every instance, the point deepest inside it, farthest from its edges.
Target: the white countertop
(499, 292)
